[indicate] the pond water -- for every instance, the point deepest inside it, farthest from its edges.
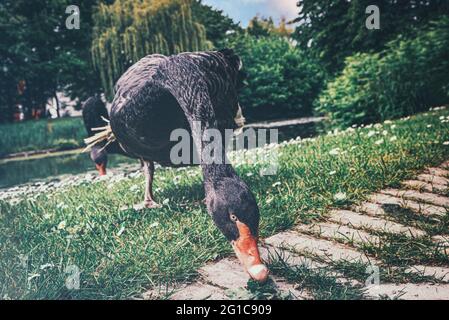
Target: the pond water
(13, 173)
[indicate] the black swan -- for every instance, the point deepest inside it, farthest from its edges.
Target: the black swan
(95, 115)
(159, 94)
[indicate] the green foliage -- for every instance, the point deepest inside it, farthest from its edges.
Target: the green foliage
(217, 24)
(37, 48)
(42, 134)
(335, 29)
(411, 75)
(263, 27)
(128, 30)
(280, 77)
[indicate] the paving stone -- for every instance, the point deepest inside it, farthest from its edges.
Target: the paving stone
(358, 220)
(441, 240)
(445, 165)
(269, 254)
(317, 247)
(339, 232)
(419, 196)
(226, 273)
(421, 208)
(409, 291)
(295, 260)
(199, 291)
(433, 179)
(438, 172)
(443, 243)
(425, 186)
(294, 291)
(439, 273)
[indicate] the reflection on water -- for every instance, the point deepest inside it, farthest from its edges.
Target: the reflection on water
(20, 172)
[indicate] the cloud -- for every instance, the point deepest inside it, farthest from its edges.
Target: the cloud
(244, 10)
(286, 8)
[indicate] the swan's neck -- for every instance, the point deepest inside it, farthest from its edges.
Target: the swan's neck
(215, 172)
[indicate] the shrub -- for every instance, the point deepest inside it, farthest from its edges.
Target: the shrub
(411, 75)
(280, 78)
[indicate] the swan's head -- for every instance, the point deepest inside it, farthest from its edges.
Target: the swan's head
(99, 155)
(235, 212)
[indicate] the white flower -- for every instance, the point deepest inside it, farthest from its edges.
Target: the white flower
(380, 141)
(62, 225)
(276, 184)
(385, 132)
(61, 205)
(166, 201)
(429, 126)
(134, 188)
(334, 152)
(46, 266)
(332, 173)
(393, 126)
(154, 224)
(371, 133)
(393, 138)
(249, 174)
(119, 233)
(446, 143)
(340, 196)
(33, 275)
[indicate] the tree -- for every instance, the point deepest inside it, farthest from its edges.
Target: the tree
(38, 51)
(335, 29)
(281, 80)
(407, 77)
(262, 27)
(217, 24)
(128, 30)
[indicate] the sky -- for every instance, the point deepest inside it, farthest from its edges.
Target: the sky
(243, 10)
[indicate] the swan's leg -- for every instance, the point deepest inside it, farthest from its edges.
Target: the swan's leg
(148, 169)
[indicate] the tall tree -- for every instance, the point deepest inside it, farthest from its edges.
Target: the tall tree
(38, 52)
(217, 24)
(128, 30)
(262, 27)
(335, 29)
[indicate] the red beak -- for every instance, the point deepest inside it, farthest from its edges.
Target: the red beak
(246, 249)
(101, 168)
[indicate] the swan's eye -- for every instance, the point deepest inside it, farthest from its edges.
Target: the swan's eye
(233, 218)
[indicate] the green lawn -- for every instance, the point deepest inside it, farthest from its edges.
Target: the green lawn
(122, 252)
(41, 134)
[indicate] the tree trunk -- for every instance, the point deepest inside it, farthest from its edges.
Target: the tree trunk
(58, 113)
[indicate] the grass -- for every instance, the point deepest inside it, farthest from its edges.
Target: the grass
(65, 133)
(121, 252)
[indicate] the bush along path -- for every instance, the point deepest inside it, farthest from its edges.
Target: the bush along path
(358, 252)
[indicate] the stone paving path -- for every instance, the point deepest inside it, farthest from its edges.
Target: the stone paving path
(341, 238)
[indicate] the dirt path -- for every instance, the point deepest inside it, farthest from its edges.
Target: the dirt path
(344, 237)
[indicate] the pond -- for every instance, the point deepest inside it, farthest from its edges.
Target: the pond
(18, 172)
